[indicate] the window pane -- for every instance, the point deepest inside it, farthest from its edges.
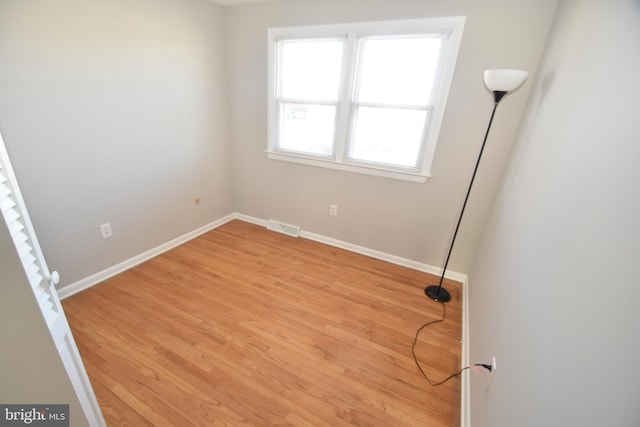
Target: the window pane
(310, 69)
(388, 136)
(397, 70)
(307, 128)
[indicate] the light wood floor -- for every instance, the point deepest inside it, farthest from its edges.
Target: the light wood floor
(247, 327)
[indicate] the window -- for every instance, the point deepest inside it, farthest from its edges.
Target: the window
(365, 98)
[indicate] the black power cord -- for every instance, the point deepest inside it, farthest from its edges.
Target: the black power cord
(415, 359)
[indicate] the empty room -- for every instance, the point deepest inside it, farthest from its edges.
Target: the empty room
(319, 212)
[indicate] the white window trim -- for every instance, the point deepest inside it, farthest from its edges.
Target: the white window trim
(454, 24)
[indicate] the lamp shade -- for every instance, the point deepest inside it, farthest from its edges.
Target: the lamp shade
(504, 80)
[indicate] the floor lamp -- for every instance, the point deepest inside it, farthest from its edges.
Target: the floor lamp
(500, 82)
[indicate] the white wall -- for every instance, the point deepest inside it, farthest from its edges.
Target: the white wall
(114, 111)
(554, 289)
(31, 371)
(414, 221)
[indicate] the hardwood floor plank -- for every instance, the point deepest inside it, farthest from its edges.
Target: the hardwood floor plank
(246, 327)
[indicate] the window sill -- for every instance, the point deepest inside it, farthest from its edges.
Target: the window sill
(366, 170)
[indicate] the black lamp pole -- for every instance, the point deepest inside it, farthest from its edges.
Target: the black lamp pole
(436, 292)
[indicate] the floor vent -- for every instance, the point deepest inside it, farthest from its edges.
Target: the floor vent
(279, 227)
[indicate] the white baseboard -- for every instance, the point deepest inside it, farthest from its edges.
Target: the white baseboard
(465, 386)
(251, 219)
(404, 262)
(100, 276)
(103, 275)
(393, 259)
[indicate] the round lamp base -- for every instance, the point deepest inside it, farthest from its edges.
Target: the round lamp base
(437, 293)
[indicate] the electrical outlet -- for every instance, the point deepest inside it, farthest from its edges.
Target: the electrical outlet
(105, 229)
(333, 210)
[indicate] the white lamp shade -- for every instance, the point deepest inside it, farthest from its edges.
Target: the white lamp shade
(504, 80)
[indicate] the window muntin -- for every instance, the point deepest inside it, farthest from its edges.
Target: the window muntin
(363, 97)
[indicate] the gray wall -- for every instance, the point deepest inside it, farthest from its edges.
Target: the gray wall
(410, 220)
(554, 290)
(31, 371)
(124, 112)
(114, 111)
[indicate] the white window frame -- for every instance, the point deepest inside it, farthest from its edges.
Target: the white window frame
(352, 32)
